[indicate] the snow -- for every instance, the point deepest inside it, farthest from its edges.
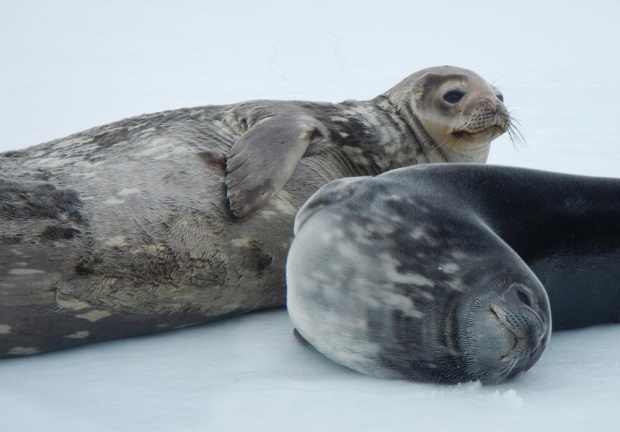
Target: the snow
(71, 64)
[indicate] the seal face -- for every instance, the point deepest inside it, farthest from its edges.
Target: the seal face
(460, 111)
(451, 273)
(180, 217)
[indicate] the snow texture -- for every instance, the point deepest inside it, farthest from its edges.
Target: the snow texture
(68, 65)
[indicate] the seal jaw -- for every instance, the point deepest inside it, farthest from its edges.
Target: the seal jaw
(466, 146)
(470, 140)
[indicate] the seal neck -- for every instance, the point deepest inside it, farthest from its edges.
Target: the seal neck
(426, 150)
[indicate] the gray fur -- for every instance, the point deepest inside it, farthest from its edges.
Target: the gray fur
(176, 218)
(400, 276)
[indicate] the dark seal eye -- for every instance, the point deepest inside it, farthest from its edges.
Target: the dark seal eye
(524, 298)
(500, 97)
(453, 96)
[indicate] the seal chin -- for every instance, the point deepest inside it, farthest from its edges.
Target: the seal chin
(506, 334)
(472, 153)
(463, 145)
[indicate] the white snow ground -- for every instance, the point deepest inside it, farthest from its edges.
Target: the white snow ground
(71, 64)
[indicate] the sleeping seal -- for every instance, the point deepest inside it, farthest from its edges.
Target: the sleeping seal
(445, 273)
(180, 217)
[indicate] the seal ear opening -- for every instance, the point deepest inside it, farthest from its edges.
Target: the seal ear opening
(333, 192)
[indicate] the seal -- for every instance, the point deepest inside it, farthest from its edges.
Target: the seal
(446, 273)
(176, 218)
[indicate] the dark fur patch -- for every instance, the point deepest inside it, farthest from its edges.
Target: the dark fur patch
(263, 259)
(213, 159)
(108, 139)
(12, 239)
(26, 200)
(86, 266)
(14, 154)
(56, 233)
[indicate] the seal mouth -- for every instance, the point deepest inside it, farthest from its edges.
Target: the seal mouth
(461, 134)
(510, 353)
(468, 135)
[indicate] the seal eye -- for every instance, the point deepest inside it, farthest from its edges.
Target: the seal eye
(453, 96)
(500, 97)
(524, 298)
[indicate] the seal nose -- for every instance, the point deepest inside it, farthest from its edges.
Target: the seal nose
(515, 311)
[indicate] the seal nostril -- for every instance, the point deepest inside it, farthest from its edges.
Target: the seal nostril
(524, 298)
(500, 97)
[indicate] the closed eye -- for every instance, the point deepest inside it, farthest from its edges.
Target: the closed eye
(524, 298)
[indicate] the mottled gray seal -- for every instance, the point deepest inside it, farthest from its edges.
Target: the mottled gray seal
(180, 217)
(436, 273)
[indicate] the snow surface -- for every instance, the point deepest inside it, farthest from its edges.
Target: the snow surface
(68, 65)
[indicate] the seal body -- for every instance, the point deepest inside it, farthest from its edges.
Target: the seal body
(446, 273)
(176, 218)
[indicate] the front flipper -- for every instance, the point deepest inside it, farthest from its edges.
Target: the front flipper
(264, 158)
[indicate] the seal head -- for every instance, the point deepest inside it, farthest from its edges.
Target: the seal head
(458, 109)
(385, 279)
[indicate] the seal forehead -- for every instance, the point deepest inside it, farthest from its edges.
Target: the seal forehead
(439, 79)
(432, 83)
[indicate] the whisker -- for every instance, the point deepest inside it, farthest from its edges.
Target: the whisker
(504, 371)
(518, 136)
(514, 140)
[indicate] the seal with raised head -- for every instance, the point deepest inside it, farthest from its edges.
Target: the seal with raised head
(446, 273)
(176, 218)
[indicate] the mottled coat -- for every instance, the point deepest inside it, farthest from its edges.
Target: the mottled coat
(126, 229)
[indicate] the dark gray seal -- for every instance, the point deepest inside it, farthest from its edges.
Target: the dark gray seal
(445, 273)
(176, 218)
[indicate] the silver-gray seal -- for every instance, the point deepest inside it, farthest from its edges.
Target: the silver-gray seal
(452, 273)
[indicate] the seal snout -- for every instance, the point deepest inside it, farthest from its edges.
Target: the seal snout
(507, 332)
(514, 311)
(488, 118)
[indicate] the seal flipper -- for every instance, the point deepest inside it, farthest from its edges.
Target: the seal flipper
(264, 158)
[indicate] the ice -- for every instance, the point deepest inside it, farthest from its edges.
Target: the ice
(71, 64)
